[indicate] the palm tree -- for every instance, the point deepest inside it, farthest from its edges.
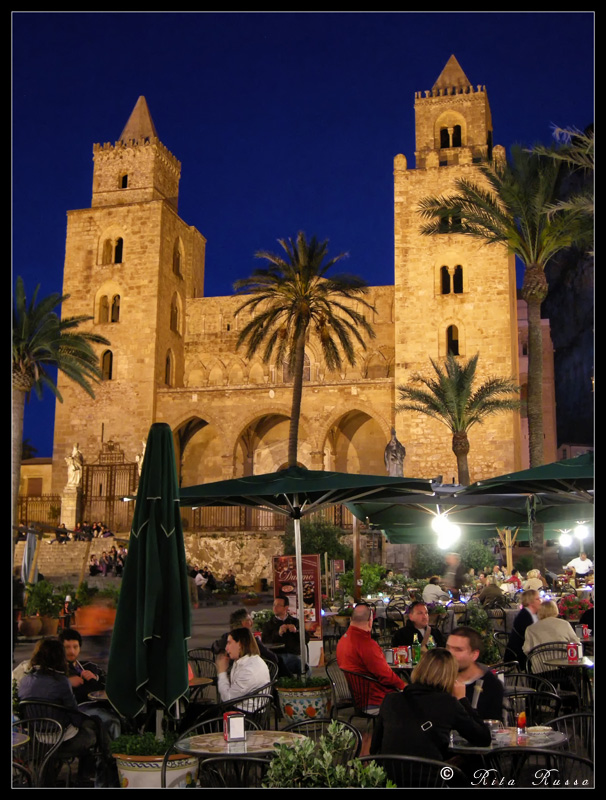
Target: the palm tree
(511, 207)
(292, 296)
(450, 398)
(41, 340)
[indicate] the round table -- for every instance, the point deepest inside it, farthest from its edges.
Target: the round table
(554, 739)
(19, 738)
(257, 743)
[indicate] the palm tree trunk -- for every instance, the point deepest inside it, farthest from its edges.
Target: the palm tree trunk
(534, 291)
(297, 394)
(460, 447)
(17, 434)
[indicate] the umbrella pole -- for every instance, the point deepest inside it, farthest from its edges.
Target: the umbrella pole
(299, 566)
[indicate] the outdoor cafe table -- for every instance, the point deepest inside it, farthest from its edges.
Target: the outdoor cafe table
(257, 743)
(19, 738)
(582, 682)
(460, 746)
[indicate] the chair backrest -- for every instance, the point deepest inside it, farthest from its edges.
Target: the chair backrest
(43, 708)
(22, 777)
(238, 772)
(579, 731)
(534, 767)
(501, 638)
(542, 653)
(201, 652)
(419, 773)
(340, 686)
(205, 668)
(523, 680)
(255, 706)
(273, 670)
(360, 686)
(315, 728)
(45, 736)
(540, 707)
(505, 667)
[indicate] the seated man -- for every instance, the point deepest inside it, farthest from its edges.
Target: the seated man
(482, 687)
(242, 619)
(86, 677)
(491, 594)
(582, 565)
(531, 600)
(433, 592)
(358, 652)
(284, 629)
(417, 622)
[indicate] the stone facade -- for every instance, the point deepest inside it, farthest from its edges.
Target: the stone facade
(138, 269)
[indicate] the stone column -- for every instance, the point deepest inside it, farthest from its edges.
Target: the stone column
(71, 506)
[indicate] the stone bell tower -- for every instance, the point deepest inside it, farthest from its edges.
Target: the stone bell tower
(453, 294)
(131, 263)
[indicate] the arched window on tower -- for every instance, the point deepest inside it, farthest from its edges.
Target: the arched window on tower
(104, 309)
(107, 365)
(452, 340)
(115, 317)
(118, 250)
(168, 369)
(456, 136)
(124, 182)
(444, 280)
(457, 280)
(174, 314)
(444, 138)
(108, 251)
(177, 259)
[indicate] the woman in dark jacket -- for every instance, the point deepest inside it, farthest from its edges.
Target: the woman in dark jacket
(418, 721)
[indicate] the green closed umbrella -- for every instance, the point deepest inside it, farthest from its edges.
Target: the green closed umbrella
(148, 654)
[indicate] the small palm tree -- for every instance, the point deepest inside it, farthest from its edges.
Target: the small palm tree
(292, 296)
(512, 207)
(41, 340)
(450, 398)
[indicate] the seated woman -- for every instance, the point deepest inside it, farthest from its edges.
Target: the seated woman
(418, 720)
(548, 629)
(46, 680)
(248, 673)
(534, 580)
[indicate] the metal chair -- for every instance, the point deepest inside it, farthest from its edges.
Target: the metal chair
(501, 638)
(44, 739)
(342, 697)
(237, 772)
(201, 652)
(522, 680)
(540, 707)
(273, 670)
(533, 767)
(361, 686)
(571, 682)
(315, 728)
(214, 725)
(578, 729)
(505, 667)
(256, 707)
(22, 777)
(419, 773)
(204, 668)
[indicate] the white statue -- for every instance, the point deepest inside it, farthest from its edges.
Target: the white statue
(74, 467)
(139, 458)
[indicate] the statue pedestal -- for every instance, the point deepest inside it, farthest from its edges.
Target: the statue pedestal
(71, 503)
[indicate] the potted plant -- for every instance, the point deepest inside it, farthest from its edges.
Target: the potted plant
(260, 618)
(139, 759)
(478, 619)
(43, 602)
(96, 609)
(304, 698)
(307, 764)
(572, 607)
(250, 599)
(343, 616)
(436, 610)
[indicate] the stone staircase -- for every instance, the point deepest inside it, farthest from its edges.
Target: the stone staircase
(62, 563)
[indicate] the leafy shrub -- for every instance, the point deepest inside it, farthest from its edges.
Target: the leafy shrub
(142, 744)
(318, 537)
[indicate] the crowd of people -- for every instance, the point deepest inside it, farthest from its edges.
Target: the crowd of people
(109, 562)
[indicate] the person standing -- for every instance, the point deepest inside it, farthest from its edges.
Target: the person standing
(454, 577)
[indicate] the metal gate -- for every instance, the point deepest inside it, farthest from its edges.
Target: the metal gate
(104, 485)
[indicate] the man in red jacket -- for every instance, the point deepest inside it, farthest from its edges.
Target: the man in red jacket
(358, 652)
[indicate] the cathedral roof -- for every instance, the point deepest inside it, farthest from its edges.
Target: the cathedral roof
(452, 75)
(140, 124)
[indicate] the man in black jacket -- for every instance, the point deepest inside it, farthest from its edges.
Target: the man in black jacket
(482, 687)
(417, 622)
(284, 629)
(531, 600)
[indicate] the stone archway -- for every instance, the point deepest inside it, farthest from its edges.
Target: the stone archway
(356, 444)
(200, 452)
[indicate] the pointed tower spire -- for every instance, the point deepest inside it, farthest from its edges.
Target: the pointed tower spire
(452, 75)
(140, 125)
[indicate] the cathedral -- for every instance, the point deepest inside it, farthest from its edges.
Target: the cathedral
(137, 268)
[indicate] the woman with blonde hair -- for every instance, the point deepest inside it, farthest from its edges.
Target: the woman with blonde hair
(534, 581)
(418, 721)
(548, 629)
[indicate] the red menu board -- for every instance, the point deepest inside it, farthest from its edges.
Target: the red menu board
(285, 585)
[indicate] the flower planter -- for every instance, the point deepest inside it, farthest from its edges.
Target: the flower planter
(30, 626)
(49, 626)
(250, 601)
(298, 705)
(144, 772)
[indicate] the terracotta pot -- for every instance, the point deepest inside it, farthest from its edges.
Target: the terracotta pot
(95, 620)
(49, 626)
(144, 772)
(30, 626)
